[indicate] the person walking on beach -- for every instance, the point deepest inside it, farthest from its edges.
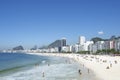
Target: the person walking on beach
(115, 62)
(83, 65)
(88, 71)
(48, 64)
(43, 75)
(79, 72)
(110, 64)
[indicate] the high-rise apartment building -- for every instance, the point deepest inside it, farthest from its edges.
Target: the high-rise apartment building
(82, 40)
(63, 42)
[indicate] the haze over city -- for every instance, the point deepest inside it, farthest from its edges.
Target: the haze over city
(40, 22)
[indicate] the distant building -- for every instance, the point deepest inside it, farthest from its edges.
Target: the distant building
(94, 48)
(82, 45)
(65, 49)
(109, 45)
(53, 50)
(86, 45)
(112, 44)
(81, 40)
(63, 42)
(100, 45)
(117, 45)
(76, 48)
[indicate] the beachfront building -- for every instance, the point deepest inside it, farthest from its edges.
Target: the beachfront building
(81, 40)
(71, 48)
(76, 48)
(94, 47)
(82, 45)
(65, 49)
(105, 45)
(110, 44)
(117, 45)
(63, 42)
(68, 48)
(53, 50)
(86, 45)
(100, 45)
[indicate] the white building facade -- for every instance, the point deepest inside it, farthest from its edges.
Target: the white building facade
(82, 40)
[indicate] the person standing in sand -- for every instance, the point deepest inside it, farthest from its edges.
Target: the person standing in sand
(43, 74)
(88, 71)
(79, 72)
(115, 62)
(83, 65)
(110, 64)
(48, 64)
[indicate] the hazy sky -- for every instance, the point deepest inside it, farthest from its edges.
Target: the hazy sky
(40, 22)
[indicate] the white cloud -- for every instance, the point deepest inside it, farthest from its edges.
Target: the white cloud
(100, 32)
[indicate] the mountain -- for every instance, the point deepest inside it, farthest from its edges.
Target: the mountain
(18, 48)
(57, 43)
(95, 39)
(113, 37)
(43, 47)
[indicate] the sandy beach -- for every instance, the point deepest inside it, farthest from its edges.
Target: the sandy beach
(104, 67)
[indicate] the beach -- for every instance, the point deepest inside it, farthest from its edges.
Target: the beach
(103, 66)
(38, 66)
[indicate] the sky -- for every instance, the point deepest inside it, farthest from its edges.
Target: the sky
(40, 22)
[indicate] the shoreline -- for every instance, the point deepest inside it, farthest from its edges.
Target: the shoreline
(62, 68)
(103, 66)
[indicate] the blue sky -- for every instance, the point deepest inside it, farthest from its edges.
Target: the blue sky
(40, 22)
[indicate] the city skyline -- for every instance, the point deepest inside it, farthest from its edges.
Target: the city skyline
(34, 22)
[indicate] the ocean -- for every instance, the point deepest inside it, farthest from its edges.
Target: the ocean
(21, 66)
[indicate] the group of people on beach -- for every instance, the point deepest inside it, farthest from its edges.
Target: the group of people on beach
(85, 57)
(90, 58)
(105, 62)
(108, 67)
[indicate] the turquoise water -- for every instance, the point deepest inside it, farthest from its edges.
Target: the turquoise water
(15, 60)
(19, 66)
